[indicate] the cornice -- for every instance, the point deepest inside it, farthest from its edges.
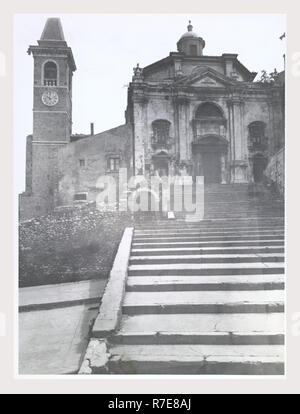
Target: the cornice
(64, 51)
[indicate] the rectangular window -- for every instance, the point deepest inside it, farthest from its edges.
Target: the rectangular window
(82, 162)
(114, 163)
(161, 132)
(193, 49)
(80, 197)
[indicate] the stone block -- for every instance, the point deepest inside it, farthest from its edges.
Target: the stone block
(96, 358)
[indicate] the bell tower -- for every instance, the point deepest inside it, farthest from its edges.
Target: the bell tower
(52, 113)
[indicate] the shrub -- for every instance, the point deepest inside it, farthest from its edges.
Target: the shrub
(72, 245)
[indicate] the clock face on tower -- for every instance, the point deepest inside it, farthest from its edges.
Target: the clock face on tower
(50, 98)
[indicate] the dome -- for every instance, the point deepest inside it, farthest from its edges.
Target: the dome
(190, 43)
(190, 32)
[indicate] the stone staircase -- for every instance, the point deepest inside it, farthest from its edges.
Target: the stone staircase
(235, 200)
(205, 298)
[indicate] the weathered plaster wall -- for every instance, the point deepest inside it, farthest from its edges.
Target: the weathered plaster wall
(275, 171)
(94, 150)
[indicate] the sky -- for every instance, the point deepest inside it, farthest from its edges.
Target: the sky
(106, 47)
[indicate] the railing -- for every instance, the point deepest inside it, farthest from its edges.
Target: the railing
(50, 82)
(161, 143)
(198, 137)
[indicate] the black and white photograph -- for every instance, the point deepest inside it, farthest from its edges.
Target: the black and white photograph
(150, 172)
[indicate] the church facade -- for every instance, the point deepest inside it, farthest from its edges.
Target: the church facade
(187, 114)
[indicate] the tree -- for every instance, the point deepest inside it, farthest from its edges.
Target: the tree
(268, 78)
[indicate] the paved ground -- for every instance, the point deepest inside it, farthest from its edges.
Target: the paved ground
(53, 336)
(63, 293)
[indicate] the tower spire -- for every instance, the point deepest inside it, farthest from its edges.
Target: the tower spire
(53, 32)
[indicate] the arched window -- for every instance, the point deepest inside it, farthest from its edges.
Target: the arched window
(256, 132)
(161, 132)
(50, 74)
(208, 109)
(209, 119)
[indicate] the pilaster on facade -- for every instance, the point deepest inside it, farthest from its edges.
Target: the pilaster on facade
(182, 108)
(239, 156)
(140, 131)
(277, 117)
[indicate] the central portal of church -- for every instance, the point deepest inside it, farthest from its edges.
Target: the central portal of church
(161, 164)
(209, 159)
(212, 170)
(209, 144)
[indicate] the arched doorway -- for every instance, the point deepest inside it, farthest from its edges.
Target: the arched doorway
(210, 145)
(209, 156)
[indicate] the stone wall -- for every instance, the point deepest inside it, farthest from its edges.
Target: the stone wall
(55, 174)
(275, 171)
(93, 152)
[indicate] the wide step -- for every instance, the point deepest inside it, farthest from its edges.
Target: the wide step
(209, 250)
(199, 238)
(206, 323)
(197, 359)
(210, 244)
(211, 283)
(205, 296)
(202, 258)
(197, 350)
(203, 302)
(198, 269)
(197, 365)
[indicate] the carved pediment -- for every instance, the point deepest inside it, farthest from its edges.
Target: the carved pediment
(207, 78)
(207, 81)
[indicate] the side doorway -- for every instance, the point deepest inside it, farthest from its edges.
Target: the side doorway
(259, 163)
